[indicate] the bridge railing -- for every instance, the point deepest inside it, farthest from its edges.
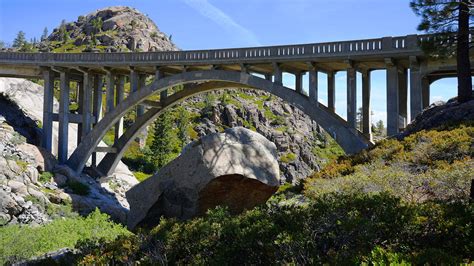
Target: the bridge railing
(367, 46)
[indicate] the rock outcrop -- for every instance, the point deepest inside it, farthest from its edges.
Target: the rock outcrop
(24, 197)
(439, 113)
(237, 168)
(116, 28)
(293, 132)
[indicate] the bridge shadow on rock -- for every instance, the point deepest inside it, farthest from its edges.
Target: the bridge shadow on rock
(87, 194)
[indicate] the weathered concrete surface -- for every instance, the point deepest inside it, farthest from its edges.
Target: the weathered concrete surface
(237, 168)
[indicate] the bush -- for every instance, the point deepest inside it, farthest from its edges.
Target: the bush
(23, 242)
(45, 177)
(333, 229)
(427, 165)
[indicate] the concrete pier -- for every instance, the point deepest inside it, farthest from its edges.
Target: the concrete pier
(351, 97)
(366, 110)
(47, 137)
(63, 130)
(313, 85)
(332, 91)
(392, 97)
(119, 96)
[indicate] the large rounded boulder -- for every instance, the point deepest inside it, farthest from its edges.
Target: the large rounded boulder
(237, 168)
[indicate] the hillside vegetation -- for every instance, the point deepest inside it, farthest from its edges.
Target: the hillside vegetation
(400, 202)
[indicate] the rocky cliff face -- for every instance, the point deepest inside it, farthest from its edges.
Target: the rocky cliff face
(28, 190)
(110, 29)
(294, 133)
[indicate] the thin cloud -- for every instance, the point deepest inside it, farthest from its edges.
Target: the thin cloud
(222, 19)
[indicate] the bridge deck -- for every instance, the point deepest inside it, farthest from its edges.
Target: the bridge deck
(330, 56)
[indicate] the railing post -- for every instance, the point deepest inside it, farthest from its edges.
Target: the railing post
(387, 43)
(411, 41)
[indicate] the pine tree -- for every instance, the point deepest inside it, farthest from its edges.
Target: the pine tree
(63, 32)
(450, 19)
(162, 147)
(20, 40)
(44, 36)
(182, 123)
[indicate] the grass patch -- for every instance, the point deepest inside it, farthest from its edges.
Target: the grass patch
(45, 177)
(288, 157)
(23, 242)
(140, 176)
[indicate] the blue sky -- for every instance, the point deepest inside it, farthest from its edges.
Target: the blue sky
(206, 24)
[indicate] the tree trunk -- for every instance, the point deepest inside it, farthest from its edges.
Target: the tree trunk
(463, 63)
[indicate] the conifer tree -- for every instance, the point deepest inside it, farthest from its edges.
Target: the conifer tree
(450, 19)
(162, 147)
(20, 40)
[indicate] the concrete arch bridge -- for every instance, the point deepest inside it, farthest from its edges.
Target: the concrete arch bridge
(206, 70)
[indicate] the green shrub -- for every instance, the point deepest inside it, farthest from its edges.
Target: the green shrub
(140, 176)
(288, 157)
(23, 242)
(45, 177)
(333, 229)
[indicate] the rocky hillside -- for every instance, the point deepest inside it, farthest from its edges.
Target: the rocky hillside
(110, 29)
(299, 140)
(32, 188)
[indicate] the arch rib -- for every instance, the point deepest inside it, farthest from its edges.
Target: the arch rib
(349, 139)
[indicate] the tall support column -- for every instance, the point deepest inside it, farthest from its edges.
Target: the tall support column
(47, 137)
(313, 85)
(159, 74)
(80, 101)
(141, 85)
(63, 118)
(299, 82)
(278, 74)
(134, 81)
(86, 104)
(392, 97)
(110, 92)
(97, 107)
(332, 91)
(141, 110)
(425, 90)
(269, 77)
(403, 97)
(97, 103)
(416, 99)
(366, 119)
(244, 68)
(119, 98)
(351, 97)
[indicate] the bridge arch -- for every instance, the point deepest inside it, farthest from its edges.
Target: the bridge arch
(348, 138)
